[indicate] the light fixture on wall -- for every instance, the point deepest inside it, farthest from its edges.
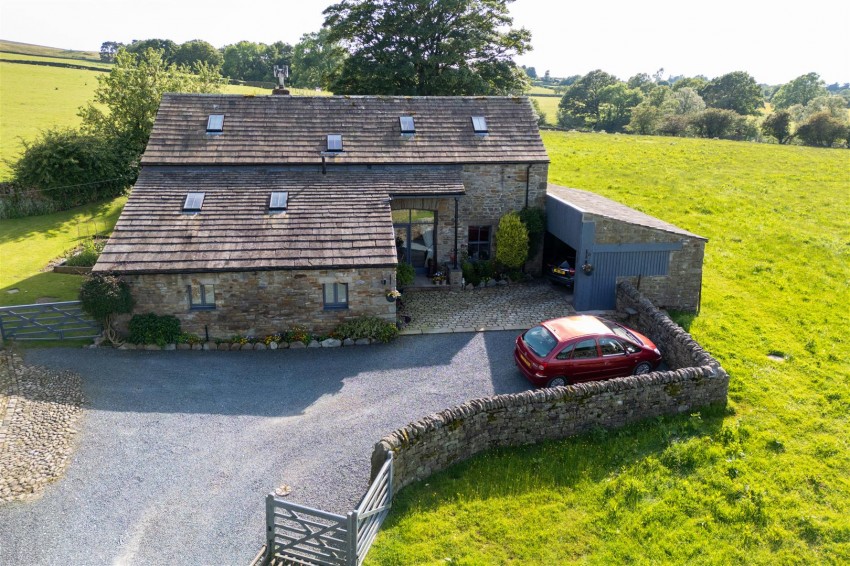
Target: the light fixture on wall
(587, 267)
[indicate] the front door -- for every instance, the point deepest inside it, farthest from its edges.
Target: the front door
(414, 237)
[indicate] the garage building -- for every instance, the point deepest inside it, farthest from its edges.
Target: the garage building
(607, 241)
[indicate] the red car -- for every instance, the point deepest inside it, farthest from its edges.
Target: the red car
(568, 350)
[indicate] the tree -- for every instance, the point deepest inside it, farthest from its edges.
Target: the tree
(642, 82)
(427, 47)
(684, 102)
(197, 51)
(530, 71)
(511, 241)
(316, 61)
(166, 47)
(615, 106)
(249, 61)
(778, 125)
(697, 83)
(821, 130)
(720, 123)
(580, 104)
(126, 100)
(103, 296)
(799, 91)
(108, 49)
(736, 91)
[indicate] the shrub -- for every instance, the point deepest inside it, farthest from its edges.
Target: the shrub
(821, 130)
(367, 327)
(103, 295)
(87, 254)
(70, 168)
(534, 220)
(484, 270)
(511, 241)
(188, 338)
(470, 275)
(151, 328)
(720, 123)
(404, 274)
(778, 125)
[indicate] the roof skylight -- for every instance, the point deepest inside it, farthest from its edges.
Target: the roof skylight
(193, 202)
(334, 142)
(479, 125)
(215, 123)
(278, 201)
(407, 124)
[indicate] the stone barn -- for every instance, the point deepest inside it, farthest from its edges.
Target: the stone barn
(607, 241)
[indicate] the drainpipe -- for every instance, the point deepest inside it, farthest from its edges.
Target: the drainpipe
(527, 182)
(456, 205)
(324, 167)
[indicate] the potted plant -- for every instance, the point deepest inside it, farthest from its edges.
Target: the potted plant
(393, 295)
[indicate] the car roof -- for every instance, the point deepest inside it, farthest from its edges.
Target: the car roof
(575, 326)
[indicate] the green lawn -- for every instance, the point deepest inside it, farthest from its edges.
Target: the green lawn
(28, 244)
(62, 60)
(765, 482)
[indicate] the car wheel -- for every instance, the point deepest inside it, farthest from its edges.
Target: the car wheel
(642, 368)
(559, 381)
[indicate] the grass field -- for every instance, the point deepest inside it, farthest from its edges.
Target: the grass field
(61, 60)
(34, 98)
(42, 51)
(549, 107)
(28, 244)
(767, 481)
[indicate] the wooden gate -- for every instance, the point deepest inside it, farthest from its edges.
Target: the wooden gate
(46, 321)
(296, 534)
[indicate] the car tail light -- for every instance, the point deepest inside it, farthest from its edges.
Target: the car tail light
(538, 367)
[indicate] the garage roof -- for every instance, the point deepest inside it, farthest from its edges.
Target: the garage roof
(592, 203)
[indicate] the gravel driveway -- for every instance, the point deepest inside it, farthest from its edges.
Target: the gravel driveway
(179, 449)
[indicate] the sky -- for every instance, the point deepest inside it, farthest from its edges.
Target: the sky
(774, 41)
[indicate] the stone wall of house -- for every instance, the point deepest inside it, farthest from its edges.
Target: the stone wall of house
(258, 303)
(492, 190)
(682, 287)
(440, 440)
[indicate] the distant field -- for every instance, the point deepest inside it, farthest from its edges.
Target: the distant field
(64, 61)
(549, 106)
(34, 98)
(540, 90)
(41, 50)
(764, 482)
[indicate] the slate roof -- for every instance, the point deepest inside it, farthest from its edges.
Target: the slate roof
(337, 220)
(601, 206)
(293, 130)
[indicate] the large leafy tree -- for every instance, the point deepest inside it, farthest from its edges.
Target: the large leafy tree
(192, 53)
(801, 90)
(737, 91)
(166, 47)
(126, 100)
(249, 61)
(580, 105)
(427, 47)
(316, 61)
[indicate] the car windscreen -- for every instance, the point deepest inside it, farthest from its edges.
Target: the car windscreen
(622, 332)
(540, 341)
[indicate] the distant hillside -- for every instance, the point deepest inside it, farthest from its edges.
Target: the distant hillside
(42, 51)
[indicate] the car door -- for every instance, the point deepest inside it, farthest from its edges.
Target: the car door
(585, 363)
(615, 359)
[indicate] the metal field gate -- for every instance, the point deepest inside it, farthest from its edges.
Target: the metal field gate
(296, 534)
(46, 321)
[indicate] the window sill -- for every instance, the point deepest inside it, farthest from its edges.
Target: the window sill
(202, 307)
(336, 307)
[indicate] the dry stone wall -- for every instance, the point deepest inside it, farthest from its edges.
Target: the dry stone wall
(440, 440)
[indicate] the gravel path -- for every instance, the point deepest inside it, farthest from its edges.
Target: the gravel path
(177, 450)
